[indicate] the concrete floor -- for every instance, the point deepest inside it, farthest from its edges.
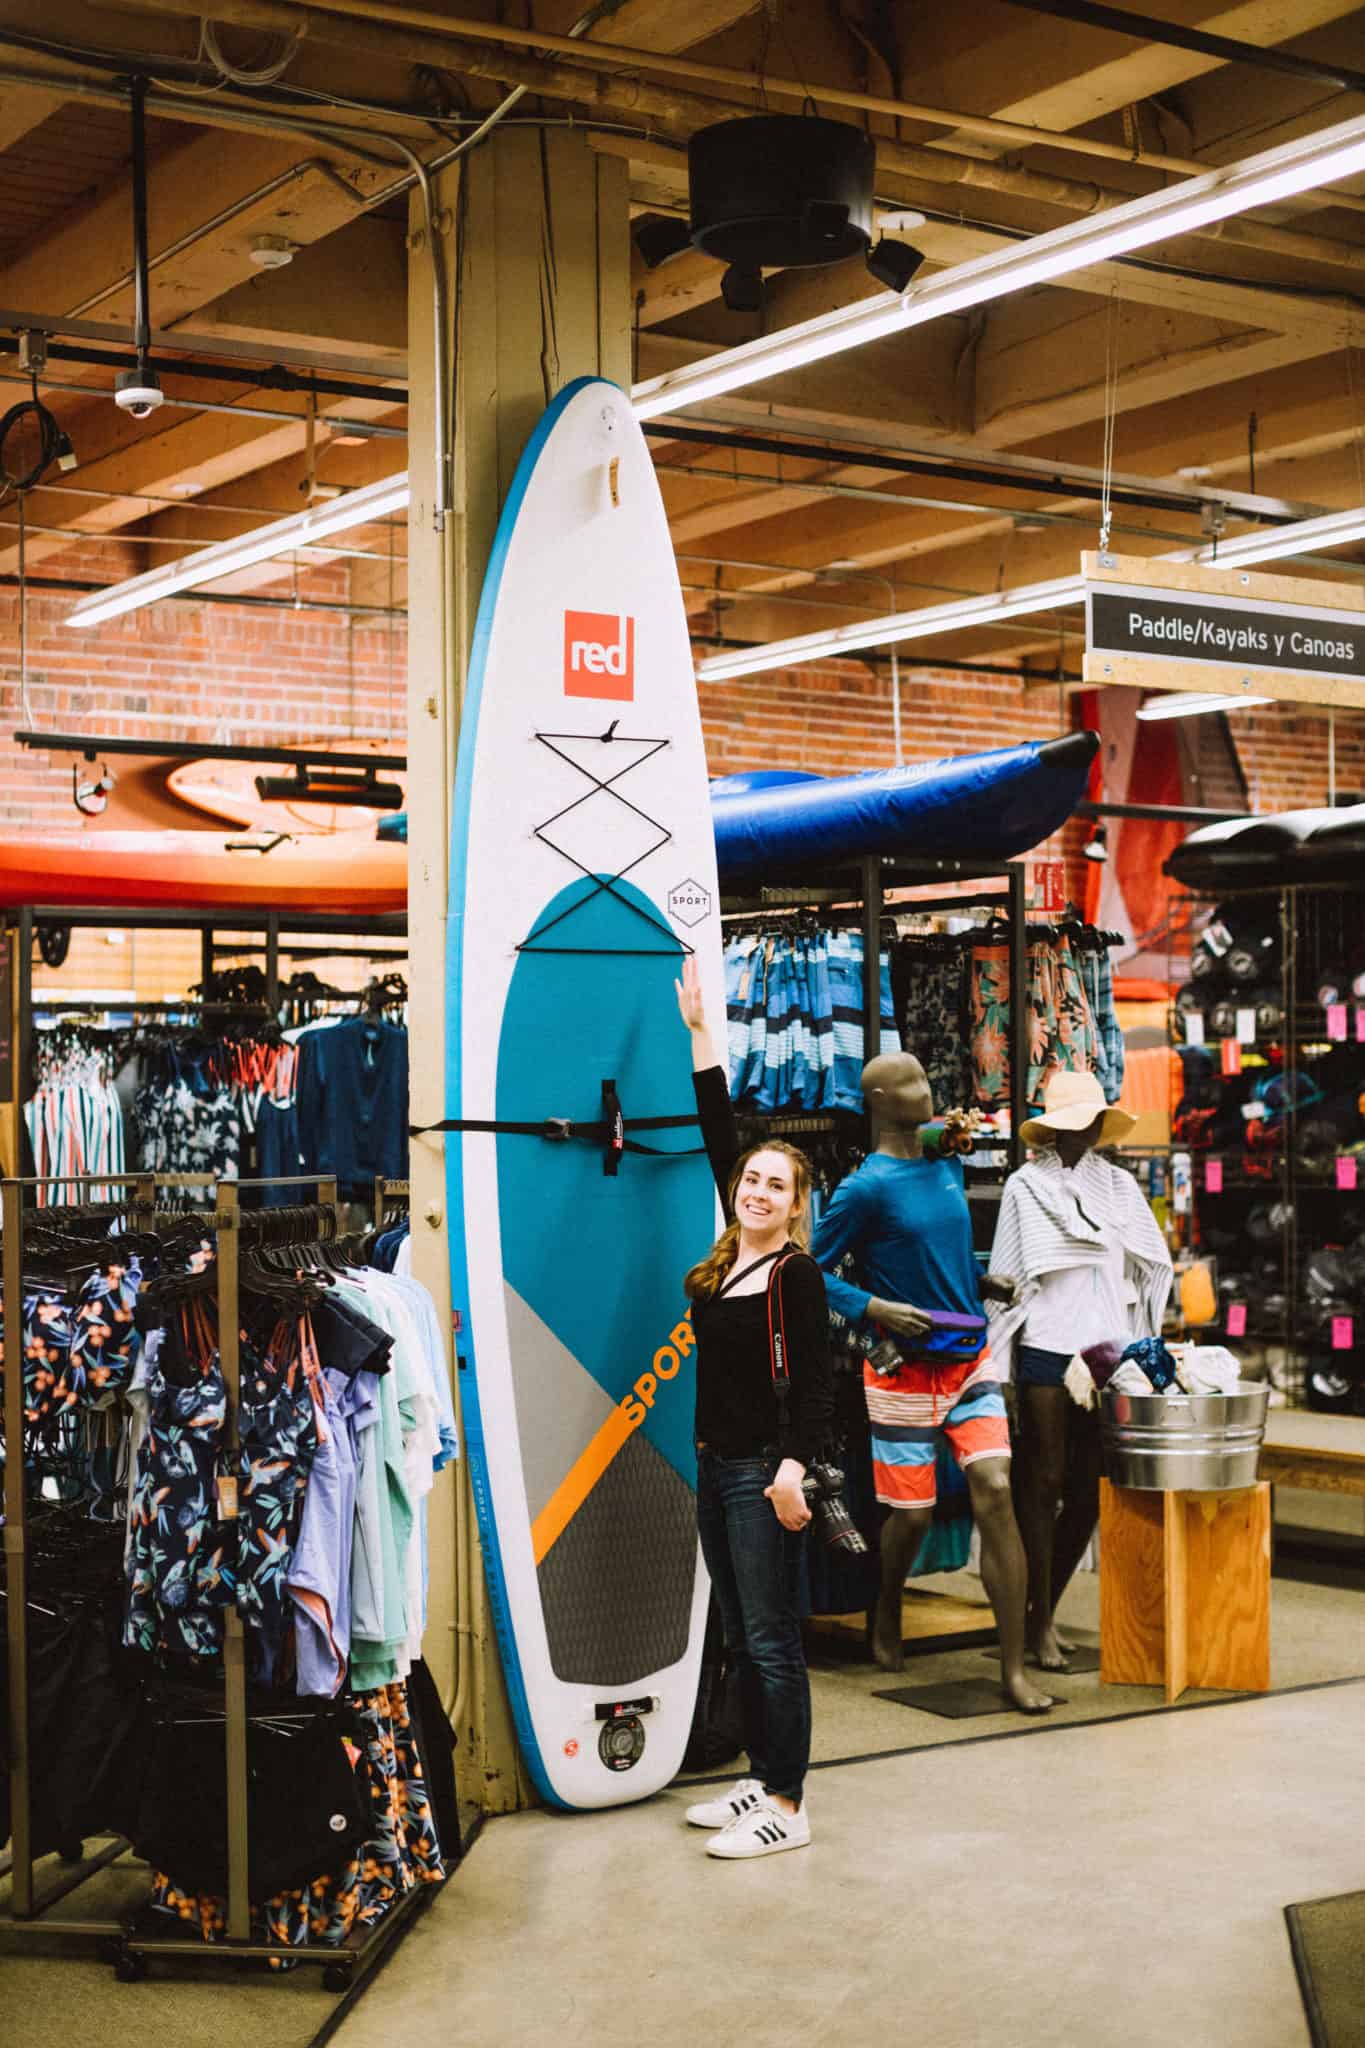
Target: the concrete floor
(1038, 1856)
(1317, 1632)
(1115, 1886)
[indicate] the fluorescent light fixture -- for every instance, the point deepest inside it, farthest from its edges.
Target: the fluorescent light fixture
(281, 537)
(1194, 704)
(1305, 537)
(917, 625)
(1301, 166)
(1304, 165)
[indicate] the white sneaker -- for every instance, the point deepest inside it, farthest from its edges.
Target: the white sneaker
(719, 1813)
(762, 1831)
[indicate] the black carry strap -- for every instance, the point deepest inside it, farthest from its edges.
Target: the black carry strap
(777, 1338)
(752, 1267)
(610, 1131)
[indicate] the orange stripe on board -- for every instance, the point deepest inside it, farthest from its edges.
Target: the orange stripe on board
(578, 1482)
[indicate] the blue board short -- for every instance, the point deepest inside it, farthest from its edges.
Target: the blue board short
(1036, 1368)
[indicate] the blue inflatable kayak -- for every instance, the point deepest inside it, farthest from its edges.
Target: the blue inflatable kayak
(977, 807)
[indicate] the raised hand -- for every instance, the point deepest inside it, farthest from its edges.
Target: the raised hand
(690, 1004)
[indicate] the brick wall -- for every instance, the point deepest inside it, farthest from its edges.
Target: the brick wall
(1283, 749)
(198, 671)
(186, 670)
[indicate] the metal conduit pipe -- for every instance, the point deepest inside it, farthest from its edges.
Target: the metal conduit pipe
(74, 535)
(66, 584)
(1002, 514)
(157, 503)
(367, 429)
(274, 379)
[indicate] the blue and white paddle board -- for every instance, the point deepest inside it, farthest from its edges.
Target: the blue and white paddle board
(583, 871)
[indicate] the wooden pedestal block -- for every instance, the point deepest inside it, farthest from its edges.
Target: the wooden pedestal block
(1185, 1589)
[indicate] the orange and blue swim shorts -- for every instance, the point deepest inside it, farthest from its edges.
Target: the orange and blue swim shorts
(910, 1409)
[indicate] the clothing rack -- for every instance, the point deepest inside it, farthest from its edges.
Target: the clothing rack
(866, 888)
(129, 1946)
(26, 1907)
(392, 925)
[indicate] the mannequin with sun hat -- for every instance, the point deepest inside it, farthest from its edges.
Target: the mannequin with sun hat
(1089, 1264)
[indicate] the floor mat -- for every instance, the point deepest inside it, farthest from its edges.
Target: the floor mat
(961, 1699)
(1327, 1938)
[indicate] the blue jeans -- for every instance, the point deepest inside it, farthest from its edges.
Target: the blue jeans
(755, 1567)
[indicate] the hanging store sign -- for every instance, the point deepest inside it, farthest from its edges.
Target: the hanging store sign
(1174, 626)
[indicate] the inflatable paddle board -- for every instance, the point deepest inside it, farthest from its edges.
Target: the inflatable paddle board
(583, 871)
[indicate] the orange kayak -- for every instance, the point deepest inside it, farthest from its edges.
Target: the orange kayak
(343, 871)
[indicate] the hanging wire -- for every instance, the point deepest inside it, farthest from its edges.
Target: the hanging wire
(1357, 417)
(273, 68)
(29, 720)
(393, 635)
(1111, 396)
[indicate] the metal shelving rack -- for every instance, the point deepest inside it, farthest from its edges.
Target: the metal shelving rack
(1298, 912)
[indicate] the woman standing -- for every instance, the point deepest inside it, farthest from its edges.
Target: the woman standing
(1089, 1263)
(753, 1447)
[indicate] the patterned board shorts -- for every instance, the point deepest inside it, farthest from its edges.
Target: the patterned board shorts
(909, 1412)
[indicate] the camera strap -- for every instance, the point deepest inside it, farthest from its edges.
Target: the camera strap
(777, 1337)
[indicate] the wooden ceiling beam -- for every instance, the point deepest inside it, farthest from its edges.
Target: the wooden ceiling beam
(1041, 369)
(23, 107)
(344, 294)
(668, 25)
(995, 556)
(812, 535)
(998, 59)
(80, 262)
(675, 109)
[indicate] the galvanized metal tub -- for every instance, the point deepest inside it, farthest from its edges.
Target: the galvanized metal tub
(1196, 1443)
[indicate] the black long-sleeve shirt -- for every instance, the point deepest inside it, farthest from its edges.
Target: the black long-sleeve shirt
(737, 1409)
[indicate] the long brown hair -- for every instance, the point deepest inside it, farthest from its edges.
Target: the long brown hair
(709, 1273)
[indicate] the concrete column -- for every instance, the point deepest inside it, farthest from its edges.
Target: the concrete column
(533, 233)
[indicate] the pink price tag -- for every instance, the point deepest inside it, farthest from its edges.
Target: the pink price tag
(1360, 1024)
(1237, 1319)
(1213, 1176)
(1336, 1021)
(1343, 1333)
(1346, 1171)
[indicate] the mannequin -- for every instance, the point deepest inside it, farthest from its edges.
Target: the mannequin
(1086, 1263)
(904, 1218)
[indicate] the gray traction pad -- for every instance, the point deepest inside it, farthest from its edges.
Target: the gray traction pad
(617, 1586)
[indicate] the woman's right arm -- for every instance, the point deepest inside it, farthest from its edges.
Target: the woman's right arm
(710, 1081)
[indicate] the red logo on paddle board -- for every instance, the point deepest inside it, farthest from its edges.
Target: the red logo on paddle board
(599, 656)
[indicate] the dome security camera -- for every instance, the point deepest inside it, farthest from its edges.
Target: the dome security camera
(138, 392)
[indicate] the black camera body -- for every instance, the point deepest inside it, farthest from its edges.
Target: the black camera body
(823, 1487)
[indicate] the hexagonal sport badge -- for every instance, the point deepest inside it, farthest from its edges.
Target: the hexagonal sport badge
(689, 903)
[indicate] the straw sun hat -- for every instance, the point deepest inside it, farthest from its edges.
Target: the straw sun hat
(1071, 1102)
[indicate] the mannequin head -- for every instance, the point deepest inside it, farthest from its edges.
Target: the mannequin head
(1072, 1146)
(897, 1093)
